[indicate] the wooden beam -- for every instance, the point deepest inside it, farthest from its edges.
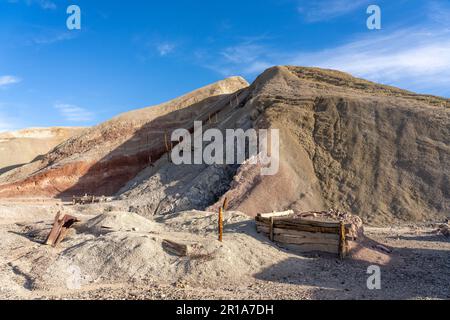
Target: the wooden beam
(175, 248)
(276, 214)
(342, 241)
(61, 226)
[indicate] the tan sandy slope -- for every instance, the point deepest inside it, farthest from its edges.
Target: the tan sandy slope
(23, 146)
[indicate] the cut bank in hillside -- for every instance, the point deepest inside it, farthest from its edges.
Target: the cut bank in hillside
(373, 150)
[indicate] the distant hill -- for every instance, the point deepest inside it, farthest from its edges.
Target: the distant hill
(21, 147)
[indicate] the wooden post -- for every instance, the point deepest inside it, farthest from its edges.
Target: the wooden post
(225, 204)
(220, 224)
(168, 146)
(342, 240)
(271, 231)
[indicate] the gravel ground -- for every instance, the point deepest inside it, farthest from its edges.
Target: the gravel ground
(417, 268)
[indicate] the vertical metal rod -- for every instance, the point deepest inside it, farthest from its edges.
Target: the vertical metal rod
(220, 224)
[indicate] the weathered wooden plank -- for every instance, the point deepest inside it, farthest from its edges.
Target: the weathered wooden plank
(271, 229)
(275, 214)
(60, 229)
(299, 234)
(312, 223)
(298, 227)
(175, 248)
(292, 221)
(312, 248)
(302, 240)
(56, 229)
(306, 228)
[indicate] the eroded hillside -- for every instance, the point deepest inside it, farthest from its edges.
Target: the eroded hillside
(21, 147)
(376, 151)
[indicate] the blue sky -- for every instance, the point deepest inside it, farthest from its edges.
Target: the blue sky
(135, 53)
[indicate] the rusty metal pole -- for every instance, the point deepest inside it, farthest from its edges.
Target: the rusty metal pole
(220, 224)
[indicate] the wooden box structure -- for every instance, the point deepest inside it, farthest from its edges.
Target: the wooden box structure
(86, 199)
(306, 235)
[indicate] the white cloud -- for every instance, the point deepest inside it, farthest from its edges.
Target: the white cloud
(419, 59)
(165, 48)
(51, 36)
(414, 59)
(322, 10)
(8, 80)
(246, 58)
(44, 4)
(74, 113)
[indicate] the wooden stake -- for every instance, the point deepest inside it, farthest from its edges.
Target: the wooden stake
(225, 204)
(168, 147)
(342, 240)
(220, 224)
(271, 229)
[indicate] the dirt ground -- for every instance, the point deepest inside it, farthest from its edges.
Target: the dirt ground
(119, 256)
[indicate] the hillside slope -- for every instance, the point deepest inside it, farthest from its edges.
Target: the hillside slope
(105, 157)
(21, 147)
(373, 150)
(347, 143)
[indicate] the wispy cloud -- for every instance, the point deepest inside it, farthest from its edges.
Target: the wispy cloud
(439, 12)
(419, 59)
(165, 48)
(322, 10)
(44, 4)
(50, 36)
(73, 113)
(7, 123)
(413, 58)
(246, 57)
(8, 80)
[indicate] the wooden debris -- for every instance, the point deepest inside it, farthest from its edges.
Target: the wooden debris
(182, 249)
(61, 226)
(86, 199)
(276, 214)
(271, 229)
(225, 204)
(175, 248)
(383, 248)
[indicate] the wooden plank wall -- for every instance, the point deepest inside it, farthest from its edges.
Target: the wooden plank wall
(307, 235)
